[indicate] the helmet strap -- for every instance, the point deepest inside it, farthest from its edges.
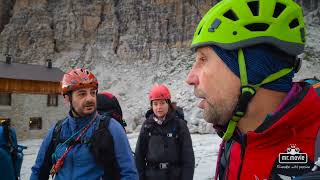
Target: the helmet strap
(247, 93)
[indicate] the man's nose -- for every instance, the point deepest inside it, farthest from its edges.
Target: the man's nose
(192, 78)
(90, 97)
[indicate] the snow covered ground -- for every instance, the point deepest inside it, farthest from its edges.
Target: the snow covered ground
(205, 147)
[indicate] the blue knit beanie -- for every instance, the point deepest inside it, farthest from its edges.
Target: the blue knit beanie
(261, 62)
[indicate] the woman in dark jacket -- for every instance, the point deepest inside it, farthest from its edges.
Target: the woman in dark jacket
(164, 147)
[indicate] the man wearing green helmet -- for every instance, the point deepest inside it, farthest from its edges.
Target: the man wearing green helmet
(246, 57)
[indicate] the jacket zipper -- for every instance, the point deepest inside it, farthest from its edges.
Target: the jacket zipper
(242, 153)
(221, 151)
(226, 171)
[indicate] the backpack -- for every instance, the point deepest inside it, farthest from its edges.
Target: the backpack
(179, 113)
(315, 82)
(98, 147)
(12, 148)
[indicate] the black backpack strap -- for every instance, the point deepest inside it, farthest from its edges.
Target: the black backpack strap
(47, 162)
(102, 148)
(145, 137)
(116, 117)
(104, 122)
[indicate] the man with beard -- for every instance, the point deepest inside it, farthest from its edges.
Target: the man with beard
(81, 150)
(246, 56)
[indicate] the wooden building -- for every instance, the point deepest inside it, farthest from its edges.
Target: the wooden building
(30, 97)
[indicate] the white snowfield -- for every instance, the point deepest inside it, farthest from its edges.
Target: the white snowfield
(205, 147)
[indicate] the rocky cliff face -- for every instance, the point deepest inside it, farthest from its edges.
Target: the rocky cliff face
(131, 30)
(130, 44)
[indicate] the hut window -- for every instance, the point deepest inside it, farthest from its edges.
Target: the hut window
(5, 99)
(52, 100)
(35, 123)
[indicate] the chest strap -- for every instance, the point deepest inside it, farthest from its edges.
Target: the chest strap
(162, 165)
(74, 142)
(169, 135)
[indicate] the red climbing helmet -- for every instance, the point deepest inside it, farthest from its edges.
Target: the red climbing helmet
(159, 91)
(76, 79)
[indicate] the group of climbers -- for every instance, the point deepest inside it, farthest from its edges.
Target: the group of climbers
(246, 57)
(91, 143)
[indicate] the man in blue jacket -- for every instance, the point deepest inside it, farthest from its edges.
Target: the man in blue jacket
(78, 154)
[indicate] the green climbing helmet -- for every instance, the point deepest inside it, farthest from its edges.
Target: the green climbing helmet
(234, 24)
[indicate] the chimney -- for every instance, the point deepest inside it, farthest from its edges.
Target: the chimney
(8, 59)
(49, 63)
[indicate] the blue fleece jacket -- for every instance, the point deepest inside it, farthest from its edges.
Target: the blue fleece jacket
(80, 164)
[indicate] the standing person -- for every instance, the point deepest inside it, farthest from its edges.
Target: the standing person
(246, 56)
(164, 147)
(11, 155)
(108, 104)
(79, 147)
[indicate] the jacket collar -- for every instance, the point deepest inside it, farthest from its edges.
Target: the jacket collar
(168, 117)
(289, 103)
(75, 123)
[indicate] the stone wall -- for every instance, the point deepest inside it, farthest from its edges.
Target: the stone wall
(25, 106)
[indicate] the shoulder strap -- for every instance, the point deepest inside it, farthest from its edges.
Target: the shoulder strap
(145, 137)
(108, 157)
(116, 117)
(47, 162)
(176, 128)
(104, 122)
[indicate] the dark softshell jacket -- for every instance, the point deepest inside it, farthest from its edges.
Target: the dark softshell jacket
(167, 143)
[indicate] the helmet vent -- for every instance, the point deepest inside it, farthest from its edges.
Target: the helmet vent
(257, 27)
(254, 7)
(200, 31)
(278, 10)
(294, 23)
(231, 15)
